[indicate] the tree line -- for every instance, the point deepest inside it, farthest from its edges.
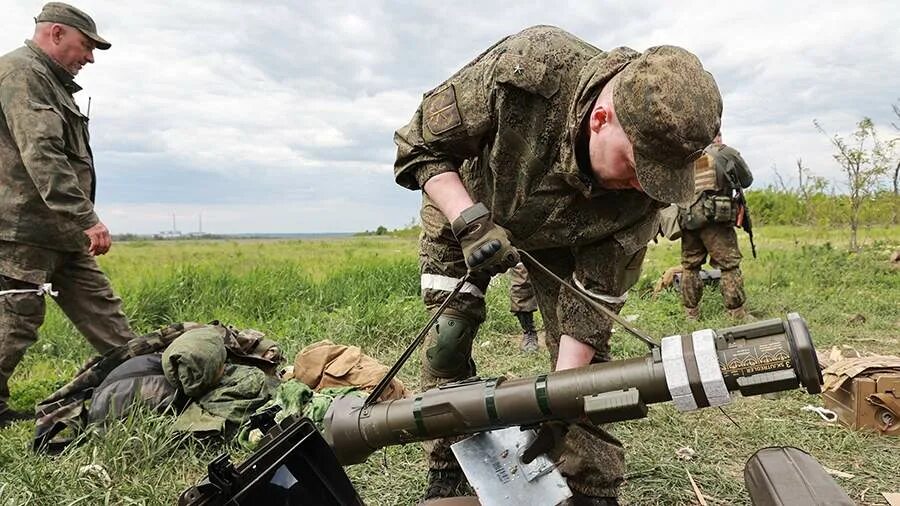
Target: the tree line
(867, 195)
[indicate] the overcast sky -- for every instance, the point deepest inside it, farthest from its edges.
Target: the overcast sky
(278, 116)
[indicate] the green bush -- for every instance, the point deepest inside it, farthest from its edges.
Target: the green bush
(769, 206)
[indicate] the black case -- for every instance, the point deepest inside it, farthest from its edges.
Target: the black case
(787, 476)
(293, 466)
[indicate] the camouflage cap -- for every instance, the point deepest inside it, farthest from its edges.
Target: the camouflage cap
(58, 12)
(671, 109)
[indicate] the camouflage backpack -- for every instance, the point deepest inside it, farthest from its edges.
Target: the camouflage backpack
(732, 169)
(65, 414)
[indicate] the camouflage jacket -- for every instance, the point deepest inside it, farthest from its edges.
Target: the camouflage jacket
(47, 177)
(519, 108)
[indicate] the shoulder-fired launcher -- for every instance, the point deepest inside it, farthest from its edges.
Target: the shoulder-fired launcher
(693, 371)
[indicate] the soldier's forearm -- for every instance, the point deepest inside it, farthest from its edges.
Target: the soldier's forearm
(573, 353)
(449, 194)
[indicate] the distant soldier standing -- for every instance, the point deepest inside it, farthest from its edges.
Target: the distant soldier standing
(49, 232)
(523, 304)
(708, 227)
(577, 151)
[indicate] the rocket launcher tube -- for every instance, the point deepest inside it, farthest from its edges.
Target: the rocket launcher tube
(695, 371)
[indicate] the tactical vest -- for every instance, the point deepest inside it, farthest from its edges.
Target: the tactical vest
(717, 173)
(705, 174)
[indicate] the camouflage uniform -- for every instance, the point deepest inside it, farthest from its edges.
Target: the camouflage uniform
(516, 112)
(47, 188)
(716, 239)
(523, 304)
(521, 292)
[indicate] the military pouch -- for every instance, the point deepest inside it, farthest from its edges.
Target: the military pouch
(631, 272)
(694, 217)
(719, 209)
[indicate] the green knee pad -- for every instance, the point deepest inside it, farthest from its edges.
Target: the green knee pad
(451, 346)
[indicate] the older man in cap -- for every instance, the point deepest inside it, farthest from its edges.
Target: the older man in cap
(49, 231)
(577, 149)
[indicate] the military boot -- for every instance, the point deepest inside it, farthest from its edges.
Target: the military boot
(447, 483)
(529, 335)
(529, 341)
(741, 314)
(692, 313)
(11, 416)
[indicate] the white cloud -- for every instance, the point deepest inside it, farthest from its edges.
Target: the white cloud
(302, 98)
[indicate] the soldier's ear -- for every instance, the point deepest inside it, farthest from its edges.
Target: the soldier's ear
(600, 116)
(56, 33)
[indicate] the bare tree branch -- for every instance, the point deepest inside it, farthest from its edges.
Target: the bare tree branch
(864, 162)
(779, 181)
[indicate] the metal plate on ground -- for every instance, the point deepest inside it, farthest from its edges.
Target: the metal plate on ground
(490, 460)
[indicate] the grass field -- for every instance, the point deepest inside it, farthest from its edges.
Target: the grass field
(365, 291)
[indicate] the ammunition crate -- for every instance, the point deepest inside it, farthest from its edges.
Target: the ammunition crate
(853, 409)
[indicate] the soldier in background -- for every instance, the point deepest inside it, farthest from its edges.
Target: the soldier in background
(523, 304)
(49, 232)
(708, 228)
(577, 151)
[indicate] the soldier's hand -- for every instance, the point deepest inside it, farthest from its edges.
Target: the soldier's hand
(550, 434)
(100, 239)
(486, 247)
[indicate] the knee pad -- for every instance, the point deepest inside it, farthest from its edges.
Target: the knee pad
(449, 351)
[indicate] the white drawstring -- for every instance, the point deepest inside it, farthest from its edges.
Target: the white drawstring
(609, 299)
(46, 288)
(826, 414)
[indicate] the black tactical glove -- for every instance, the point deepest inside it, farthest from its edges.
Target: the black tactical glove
(550, 434)
(486, 247)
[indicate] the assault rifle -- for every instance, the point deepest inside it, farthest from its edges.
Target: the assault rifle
(743, 212)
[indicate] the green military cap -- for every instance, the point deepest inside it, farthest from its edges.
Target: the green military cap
(670, 108)
(58, 12)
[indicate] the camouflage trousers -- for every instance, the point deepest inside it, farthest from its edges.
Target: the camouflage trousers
(84, 295)
(719, 241)
(521, 292)
(591, 459)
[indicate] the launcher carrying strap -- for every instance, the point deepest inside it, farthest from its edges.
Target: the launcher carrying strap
(386, 380)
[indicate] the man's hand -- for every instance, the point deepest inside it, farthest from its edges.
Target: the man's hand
(550, 434)
(100, 239)
(486, 247)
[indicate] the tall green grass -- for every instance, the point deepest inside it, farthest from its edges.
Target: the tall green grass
(365, 291)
